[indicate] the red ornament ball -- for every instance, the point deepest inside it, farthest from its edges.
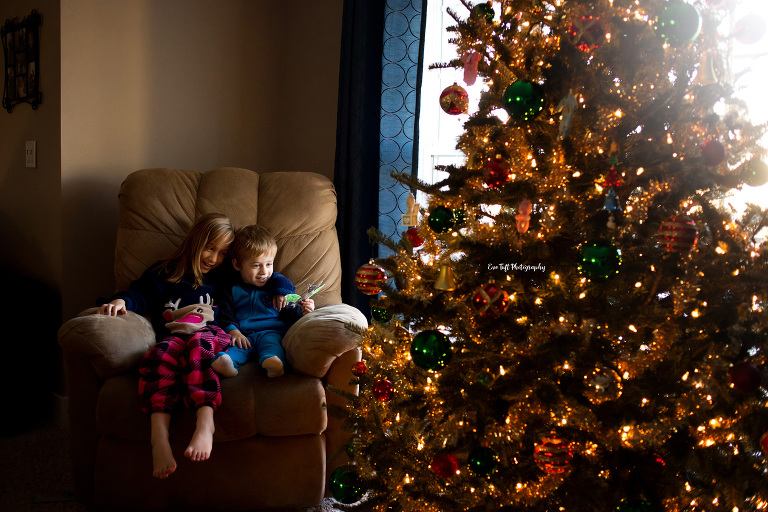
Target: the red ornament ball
(745, 377)
(359, 369)
(713, 152)
(369, 278)
(445, 465)
(553, 454)
(454, 100)
(496, 173)
(750, 29)
(764, 444)
(586, 33)
(383, 390)
(413, 235)
(490, 300)
(678, 234)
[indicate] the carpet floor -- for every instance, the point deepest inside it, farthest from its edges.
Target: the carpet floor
(35, 473)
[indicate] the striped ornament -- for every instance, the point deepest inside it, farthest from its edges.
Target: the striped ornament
(369, 278)
(553, 454)
(678, 234)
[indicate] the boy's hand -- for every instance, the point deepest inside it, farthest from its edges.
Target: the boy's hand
(279, 301)
(307, 306)
(239, 340)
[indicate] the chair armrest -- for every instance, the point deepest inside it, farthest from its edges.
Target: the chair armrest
(111, 344)
(314, 342)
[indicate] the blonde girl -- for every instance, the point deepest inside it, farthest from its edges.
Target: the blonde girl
(178, 368)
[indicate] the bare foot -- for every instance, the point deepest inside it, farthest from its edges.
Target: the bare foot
(200, 446)
(162, 456)
(274, 366)
(162, 459)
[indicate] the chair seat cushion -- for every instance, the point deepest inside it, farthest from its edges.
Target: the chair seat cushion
(252, 404)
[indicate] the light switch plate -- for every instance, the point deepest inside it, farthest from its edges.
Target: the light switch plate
(30, 154)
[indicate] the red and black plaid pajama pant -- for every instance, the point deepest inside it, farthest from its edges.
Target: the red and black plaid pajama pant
(179, 368)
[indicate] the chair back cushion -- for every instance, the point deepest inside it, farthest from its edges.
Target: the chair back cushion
(158, 206)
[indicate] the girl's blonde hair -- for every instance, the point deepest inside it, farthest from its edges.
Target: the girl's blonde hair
(251, 241)
(211, 228)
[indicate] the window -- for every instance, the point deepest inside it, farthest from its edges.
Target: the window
(438, 131)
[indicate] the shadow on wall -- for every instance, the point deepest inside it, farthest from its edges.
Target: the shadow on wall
(89, 233)
(33, 369)
(30, 380)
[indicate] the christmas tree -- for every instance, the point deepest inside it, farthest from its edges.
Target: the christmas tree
(576, 321)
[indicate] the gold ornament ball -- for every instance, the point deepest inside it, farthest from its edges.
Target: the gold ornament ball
(454, 100)
(401, 334)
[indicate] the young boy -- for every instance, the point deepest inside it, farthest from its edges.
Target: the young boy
(252, 311)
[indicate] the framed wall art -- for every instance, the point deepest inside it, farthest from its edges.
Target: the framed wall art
(21, 47)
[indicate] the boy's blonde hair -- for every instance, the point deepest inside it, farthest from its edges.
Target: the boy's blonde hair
(251, 241)
(210, 228)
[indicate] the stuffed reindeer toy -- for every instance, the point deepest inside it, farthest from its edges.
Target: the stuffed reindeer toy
(188, 319)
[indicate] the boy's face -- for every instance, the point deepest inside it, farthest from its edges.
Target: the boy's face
(255, 270)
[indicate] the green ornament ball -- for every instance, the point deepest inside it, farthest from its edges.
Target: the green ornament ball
(755, 173)
(484, 10)
(346, 485)
(599, 259)
(679, 23)
(523, 99)
(441, 219)
(483, 461)
(485, 379)
(431, 350)
(380, 314)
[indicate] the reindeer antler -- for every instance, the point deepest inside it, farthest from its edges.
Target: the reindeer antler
(173, 305)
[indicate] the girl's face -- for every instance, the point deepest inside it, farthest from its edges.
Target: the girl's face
(213, 254)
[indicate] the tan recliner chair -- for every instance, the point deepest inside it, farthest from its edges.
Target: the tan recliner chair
(275, 443)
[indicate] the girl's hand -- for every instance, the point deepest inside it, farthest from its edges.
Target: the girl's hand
(238, 339)
(278, 301)
(114, 308)
(307, 306)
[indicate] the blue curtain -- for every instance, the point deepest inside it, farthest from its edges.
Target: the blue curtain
(379, 84)
(400, 92)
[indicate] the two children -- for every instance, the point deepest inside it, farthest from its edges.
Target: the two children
(190, 347)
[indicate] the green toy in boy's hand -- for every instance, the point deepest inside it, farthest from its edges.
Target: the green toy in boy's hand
(293, 298)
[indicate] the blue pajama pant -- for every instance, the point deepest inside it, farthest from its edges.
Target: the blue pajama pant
(264, 344)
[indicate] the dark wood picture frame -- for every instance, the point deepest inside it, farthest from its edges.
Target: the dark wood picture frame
(21, 47)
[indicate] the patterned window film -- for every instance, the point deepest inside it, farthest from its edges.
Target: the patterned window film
(400, 93)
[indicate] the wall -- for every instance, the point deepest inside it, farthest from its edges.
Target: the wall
(30, 199)
(193, 84)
